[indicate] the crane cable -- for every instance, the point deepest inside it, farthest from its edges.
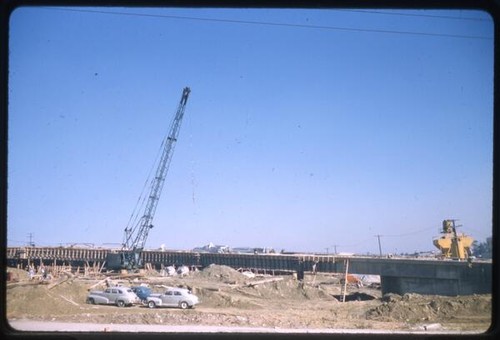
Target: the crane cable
(134, 219)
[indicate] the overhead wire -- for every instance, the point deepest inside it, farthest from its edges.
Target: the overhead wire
(267, 23)
(410, 233)
(411, 14)
(352, 244)
(384, 235)
(306, 26)
(391, 235)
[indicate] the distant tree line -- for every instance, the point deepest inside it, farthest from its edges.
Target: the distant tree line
(482, 249)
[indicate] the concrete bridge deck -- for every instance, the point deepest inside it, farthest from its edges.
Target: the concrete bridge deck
(398, 275)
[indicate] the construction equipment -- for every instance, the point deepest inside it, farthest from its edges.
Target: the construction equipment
(452, 244)
(136, 234)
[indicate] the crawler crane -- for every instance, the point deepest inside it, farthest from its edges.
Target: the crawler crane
(453, 245)
(129, 257)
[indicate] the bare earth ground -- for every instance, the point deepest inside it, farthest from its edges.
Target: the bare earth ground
(230, 299)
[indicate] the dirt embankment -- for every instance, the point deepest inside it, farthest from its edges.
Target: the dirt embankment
(231, 298)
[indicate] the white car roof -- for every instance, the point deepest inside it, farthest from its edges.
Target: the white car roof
(178, 289)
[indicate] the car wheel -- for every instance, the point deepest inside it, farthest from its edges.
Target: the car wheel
(91, 301)
(183, 305)
(151, 304)
(120, 303)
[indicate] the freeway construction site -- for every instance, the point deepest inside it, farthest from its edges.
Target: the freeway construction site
(237, 298)
(451, 293)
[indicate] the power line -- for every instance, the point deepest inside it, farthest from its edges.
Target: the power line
(413, 14)
(264, 23)
(350, 245)
(16, 241)
(385, 235)
(410, 233)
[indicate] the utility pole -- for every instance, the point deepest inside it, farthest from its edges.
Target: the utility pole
(335, 249)
(379, 245)
(31, 243)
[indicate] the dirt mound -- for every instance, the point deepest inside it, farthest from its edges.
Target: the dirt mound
(230, 298)
(220, 273)
(39, 300)
(16, 275)
(415, 308)
(288, 288)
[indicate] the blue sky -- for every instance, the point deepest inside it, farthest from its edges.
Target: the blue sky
(305, 129)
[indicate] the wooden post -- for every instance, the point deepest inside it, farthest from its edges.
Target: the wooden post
(345, 279)
(100, 270)
(314, 271)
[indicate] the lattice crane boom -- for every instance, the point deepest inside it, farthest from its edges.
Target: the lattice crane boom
(136, 236)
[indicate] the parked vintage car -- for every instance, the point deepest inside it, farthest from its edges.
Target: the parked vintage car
(120, 296)
(173, 297)
(142, 292)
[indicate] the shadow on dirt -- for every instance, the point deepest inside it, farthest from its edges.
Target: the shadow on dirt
(355, 297)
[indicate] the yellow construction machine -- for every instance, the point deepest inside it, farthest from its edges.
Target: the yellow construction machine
(452, 244)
